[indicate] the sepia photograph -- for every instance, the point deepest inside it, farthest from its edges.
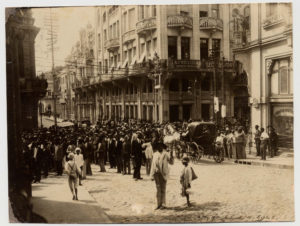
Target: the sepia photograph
(161, 113)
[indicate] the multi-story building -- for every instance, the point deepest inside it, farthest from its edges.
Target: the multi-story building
(266, 52)
(24, 90)
(159, 62)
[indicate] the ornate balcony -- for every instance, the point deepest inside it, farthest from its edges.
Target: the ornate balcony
(112, 44)
(180, 21)
(210, 23)
(128, 36)
(146, 25)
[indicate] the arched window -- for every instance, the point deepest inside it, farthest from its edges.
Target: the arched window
(281, 77)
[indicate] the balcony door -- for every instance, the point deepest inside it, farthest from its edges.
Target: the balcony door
(174, 113)
(204, 49)
(185, 48)
(172, 47)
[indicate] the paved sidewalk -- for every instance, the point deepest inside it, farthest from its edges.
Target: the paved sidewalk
(284, 160)
(52, 200)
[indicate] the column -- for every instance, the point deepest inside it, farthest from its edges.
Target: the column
(226, 37)
(179, 46)
(195, 51)
(162, 31)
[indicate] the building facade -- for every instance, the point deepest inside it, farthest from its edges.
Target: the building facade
(265, 48)
(159, 63)
(24, 90)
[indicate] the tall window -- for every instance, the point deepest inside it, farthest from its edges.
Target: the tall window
(124, 22)
(282, 77)
(154, 10)
(118, 29)
(142, 13)
(150, 86)
(204, 48)
(271, 9)
(100, 67)
(105, 35)
(205, 83)
(216, 46)
(129, 56)
(131, 22)
(104, 17)
(148, 47)
(99, 40)
(172, 47)
(203, 14)
(215, 11)
(154, 44)
(110, 31)
(185, 48)
(114, 30)
(184, 13)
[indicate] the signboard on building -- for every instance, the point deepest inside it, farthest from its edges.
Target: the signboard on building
(223, 111)
(216, 104)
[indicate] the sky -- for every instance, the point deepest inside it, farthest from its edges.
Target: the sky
(69, 22)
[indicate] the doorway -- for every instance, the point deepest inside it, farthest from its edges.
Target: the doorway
(205, 111)
(174, 113)
(186, 112)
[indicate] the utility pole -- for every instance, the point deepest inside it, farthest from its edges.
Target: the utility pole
(51, 27)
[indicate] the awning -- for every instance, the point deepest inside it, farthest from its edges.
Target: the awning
(65, 124)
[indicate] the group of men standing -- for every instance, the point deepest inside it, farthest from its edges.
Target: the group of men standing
(266, 140)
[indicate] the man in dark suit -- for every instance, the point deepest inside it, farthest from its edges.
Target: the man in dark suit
(119, 153)
(137, 155)
(112, 151)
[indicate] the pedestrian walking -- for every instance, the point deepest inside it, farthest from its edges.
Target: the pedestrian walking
(73, 171)
(160, 171)
(79, 162)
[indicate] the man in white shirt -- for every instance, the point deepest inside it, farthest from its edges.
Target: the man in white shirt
(264, 139)
(79, 161)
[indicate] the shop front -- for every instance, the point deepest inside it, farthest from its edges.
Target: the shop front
(282, 119)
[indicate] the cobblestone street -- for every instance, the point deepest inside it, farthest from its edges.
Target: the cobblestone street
(222, 193)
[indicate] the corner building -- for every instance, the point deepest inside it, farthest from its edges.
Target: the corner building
(266, 53)
(194, 64)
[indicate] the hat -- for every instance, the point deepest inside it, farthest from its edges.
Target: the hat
(77, 149)
(185, 159)
(71, 156)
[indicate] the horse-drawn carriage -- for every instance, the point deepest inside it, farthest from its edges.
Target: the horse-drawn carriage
(200, 140)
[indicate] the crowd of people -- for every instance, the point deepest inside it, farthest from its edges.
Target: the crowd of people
(124, 146)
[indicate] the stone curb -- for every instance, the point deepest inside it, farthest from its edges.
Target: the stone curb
(266, 164)
(253, 163)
